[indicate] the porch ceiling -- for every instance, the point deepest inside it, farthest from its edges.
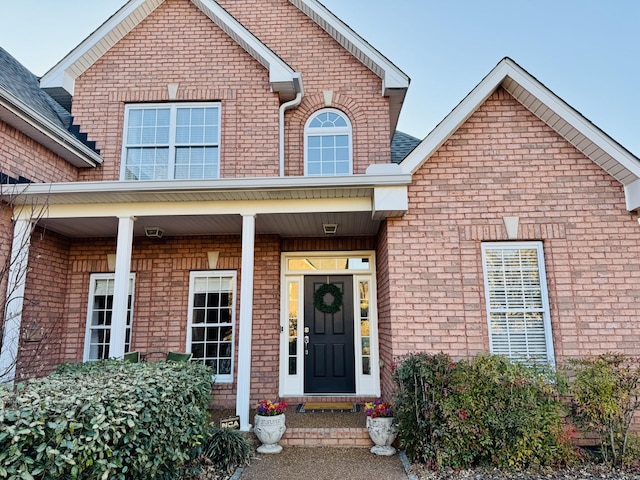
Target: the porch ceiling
(285, 225)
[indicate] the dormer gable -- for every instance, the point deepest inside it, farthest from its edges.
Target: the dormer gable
(59, 82)
(553, 111)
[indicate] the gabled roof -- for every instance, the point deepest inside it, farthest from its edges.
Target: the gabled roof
(24, 106)
(552, 110)
(394, 81)
(60, 80)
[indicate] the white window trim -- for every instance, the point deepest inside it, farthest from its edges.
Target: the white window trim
(220, 274)
(173, 107)
(546, 311)
(92, 285)
(348, 130)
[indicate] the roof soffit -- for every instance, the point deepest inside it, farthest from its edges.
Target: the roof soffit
(284, 80)
(544, 104)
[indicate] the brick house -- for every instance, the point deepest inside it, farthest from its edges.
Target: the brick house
(247, 199)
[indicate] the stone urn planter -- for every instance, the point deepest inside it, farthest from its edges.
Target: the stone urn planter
(383, 431)
(269, 430)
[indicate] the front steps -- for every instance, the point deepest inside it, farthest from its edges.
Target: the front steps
(353, 437)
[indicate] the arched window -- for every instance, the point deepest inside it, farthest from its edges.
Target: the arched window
(327, 144)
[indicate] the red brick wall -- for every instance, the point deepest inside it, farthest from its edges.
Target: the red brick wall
(209, 66)
(162, 269)
(22, 156)
(385, 318)
(505, 162)
(324, 65)
(44, 305)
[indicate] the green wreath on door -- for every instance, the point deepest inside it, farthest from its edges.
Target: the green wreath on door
(320, 293)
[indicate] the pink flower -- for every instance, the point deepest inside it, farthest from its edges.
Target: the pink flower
(378, 408)
(266, 408)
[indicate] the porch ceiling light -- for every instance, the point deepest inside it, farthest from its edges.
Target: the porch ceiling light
(153, 232)
(330, 228)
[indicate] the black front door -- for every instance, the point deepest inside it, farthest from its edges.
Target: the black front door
(329, 361)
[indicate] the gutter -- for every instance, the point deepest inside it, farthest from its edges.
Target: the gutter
(297, 81)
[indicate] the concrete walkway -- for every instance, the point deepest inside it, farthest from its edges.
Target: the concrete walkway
(298, 463)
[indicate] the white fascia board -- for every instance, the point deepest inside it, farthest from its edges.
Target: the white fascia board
(632, 195)
(225, 184)
(390, 201)
(392, 76)
(571, 116)
(507, 68)
(64, 73)
(132, 14)
(279, 71)
(229, 207)
(460, 114)
(68, 147)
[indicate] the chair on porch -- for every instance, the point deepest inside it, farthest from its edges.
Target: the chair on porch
(178, 357)
(131, 357)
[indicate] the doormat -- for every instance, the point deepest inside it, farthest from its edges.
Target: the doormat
(327, 407)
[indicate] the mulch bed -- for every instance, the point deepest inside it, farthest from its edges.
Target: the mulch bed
(582, 472)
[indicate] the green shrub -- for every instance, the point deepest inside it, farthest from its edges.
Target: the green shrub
(105, 420)
(226, 448)
(605, 398)
(486, 411)
(423, 383)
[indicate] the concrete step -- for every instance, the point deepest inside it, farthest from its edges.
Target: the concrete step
(348, 437)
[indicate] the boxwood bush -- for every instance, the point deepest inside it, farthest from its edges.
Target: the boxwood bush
(487, 411)
(105, 420)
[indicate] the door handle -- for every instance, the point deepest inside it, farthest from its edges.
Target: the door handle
(306, 344)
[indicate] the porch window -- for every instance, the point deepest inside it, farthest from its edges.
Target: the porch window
(327, 137)
(517, 301)
(99, 316)
(171, 141)
(211, 321)
(365, 327)
(294, 308)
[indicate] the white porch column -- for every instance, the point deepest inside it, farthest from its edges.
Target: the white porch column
(121, 286)
(15, 299)
(246, 321)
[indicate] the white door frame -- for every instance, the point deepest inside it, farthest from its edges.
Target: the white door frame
(294, 267)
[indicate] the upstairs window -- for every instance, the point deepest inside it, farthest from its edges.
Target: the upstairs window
(517, 301)
(171, 142)
(327, 137)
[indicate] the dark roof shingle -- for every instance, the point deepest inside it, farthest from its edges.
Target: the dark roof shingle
(25, 86)
(402, 145)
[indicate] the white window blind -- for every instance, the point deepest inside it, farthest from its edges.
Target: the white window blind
(517, 301)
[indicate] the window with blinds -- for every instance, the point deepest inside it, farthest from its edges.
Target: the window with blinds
(517, 301)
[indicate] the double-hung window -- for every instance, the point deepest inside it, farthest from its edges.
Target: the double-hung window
(327, 137)
(171, 142)
(99, 315)
(517, 301)
(211, 321)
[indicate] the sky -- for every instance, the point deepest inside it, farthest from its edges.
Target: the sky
(586, 51)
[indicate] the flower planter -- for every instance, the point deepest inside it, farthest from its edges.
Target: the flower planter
(269, 430)
(383, 431)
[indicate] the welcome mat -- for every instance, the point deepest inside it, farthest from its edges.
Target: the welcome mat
(327, 407)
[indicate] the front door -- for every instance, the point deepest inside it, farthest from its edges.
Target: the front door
(329, 360)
